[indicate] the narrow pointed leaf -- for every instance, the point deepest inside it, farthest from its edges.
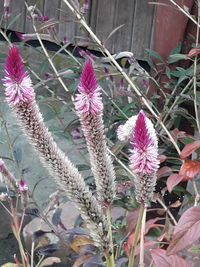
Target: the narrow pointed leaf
(189, 149)
(173, 180)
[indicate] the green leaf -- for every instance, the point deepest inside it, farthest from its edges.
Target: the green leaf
(63, 135)
(49, 116)
(82, 167)
(176, 50)
(14, 20)
(198, 97)
(53, 128)
(43, 66)
(154, 54)
(176, 57)
(168, 72)
(73, 86)
(70, 75)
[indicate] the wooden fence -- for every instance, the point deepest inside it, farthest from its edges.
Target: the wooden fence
(103, 16)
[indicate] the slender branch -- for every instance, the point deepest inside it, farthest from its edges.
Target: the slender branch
(46, 54)
(142, 236)
(167, 210)
(197, 195)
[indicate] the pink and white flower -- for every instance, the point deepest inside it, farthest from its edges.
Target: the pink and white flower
(144, 155)
(17, 82)
(89, 100)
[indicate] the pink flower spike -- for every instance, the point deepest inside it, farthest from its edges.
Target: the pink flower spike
(23, 186)
(89, 100)
(143, 157)
(17, 81)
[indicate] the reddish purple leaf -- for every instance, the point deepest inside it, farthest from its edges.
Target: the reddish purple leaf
(189, 149)
(189, 169)
(194, 52)
(161, 259)
(131, 220)
(173, 180)
(186, 232)
(162, 158)
(163, 171)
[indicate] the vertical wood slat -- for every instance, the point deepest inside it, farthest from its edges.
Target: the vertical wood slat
(124, 15)
(142, 28)
(67, 23)
(104, 13)
(52, 10)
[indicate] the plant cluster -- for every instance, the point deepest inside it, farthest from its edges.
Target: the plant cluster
(138, 153)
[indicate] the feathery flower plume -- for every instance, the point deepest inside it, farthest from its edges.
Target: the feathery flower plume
(17, 82)
(21, 98)
(89, 107)
(9, 179)
(143, 158)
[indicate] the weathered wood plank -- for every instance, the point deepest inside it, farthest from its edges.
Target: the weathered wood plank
(124, 15)
(142, 28)
(104, 14)
(52, 10)
(67, 23)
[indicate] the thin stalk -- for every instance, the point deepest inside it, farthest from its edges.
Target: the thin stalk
(40, 261)
(167, 210)
(195, 75)
(110, 258)
(32, 253)
(5, 208)
(145, 101)
(142, 237)
(47, 55)
(136, 236)
(197, 196)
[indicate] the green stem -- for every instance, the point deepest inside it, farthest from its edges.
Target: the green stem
(110, 258)
(136, 235)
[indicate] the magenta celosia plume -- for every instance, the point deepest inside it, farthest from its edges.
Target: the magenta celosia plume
(89, 99)
(143, 158)
(17, 81)
(89, 107)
